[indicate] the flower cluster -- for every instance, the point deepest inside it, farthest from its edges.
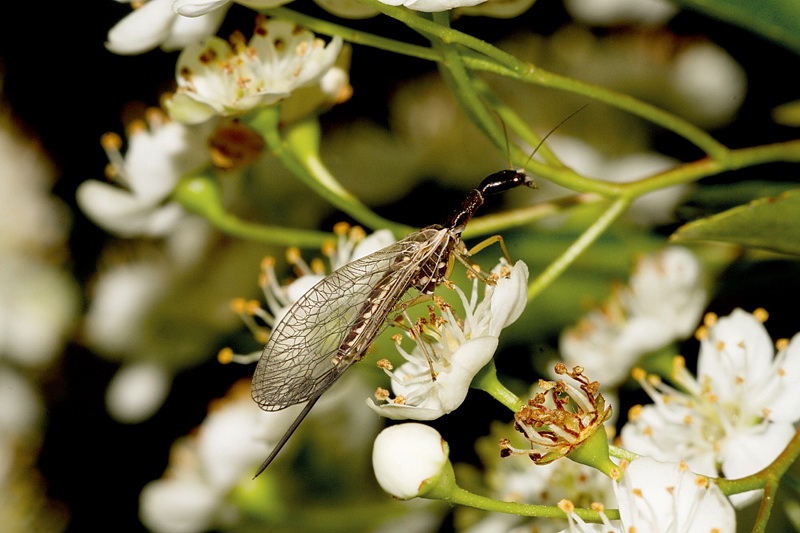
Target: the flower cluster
(654, 496)
(662, 303)
(218, 77)
(736, 416)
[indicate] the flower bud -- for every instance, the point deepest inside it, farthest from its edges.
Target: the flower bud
(408, 459)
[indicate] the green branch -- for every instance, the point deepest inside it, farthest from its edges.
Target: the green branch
(560, 264)
(299, 153)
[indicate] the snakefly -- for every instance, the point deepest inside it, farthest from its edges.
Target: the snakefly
(331, 326)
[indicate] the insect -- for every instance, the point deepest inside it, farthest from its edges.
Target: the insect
(331, 326)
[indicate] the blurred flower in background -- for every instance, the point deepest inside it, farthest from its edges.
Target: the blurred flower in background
(39, 304)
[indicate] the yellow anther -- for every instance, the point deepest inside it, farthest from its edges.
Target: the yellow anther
(328, 248)
(111, 142)
(357, 233)
(225, 356)
(318, 266)
(567, 506)
(341, 228)
(239, 305)
(761, 314)
(293, 255)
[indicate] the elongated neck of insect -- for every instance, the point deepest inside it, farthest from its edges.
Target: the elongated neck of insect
(458, 220)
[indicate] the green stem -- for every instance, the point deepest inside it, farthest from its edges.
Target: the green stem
(515, 123)
(354, 36)
(300, 154)
(765, 509)
(445, 34)
(770, 474)
(461, 86)
(621, 453)
(591, 234)
(486, 380)
(463, 497)
(199, 193)
(492, 224)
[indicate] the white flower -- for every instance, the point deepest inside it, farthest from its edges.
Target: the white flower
(652, 208)
(218, 77)
(206, 466)
(38, 303)
(156, 158)
(155, 24)
(431, 6)
(668, 497)
(668, 288)
(712, 83)
(407, 455)
(737, 416)
(663, 497)
(614, 12)
(123, 295)
(136, 391)
(662, 303)
(459, 352)
(178, 505)
(196, 8)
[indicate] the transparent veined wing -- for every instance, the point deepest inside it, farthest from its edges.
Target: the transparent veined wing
(307, 351)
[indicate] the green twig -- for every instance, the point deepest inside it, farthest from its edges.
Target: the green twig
(464, 497)
(555, 269)
(300, 154)
(354, 36)
(487, 381)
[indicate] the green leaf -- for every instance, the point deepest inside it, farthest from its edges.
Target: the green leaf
(776, 20)
(767, 223)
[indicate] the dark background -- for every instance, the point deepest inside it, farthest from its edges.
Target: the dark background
(67, 90)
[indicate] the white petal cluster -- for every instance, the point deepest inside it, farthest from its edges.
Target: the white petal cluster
(663, 302)
(156, 24)
(205, 467)
(664, 497)
(431, 6)
(172, 24)
(157, 156)
(736, 416)
(219, 77)
(458, 353)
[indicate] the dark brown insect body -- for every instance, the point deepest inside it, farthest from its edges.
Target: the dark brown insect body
(331, 326)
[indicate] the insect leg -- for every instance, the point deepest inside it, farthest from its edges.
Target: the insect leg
(488, 242)
(285, 438)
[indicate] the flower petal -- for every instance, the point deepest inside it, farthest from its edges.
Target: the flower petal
(143, 29)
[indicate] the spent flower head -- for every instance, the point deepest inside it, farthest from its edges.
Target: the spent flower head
(448, 351)
(219, 77)
(558, 421)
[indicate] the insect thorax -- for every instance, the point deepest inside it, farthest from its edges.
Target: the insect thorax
(433, 256)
